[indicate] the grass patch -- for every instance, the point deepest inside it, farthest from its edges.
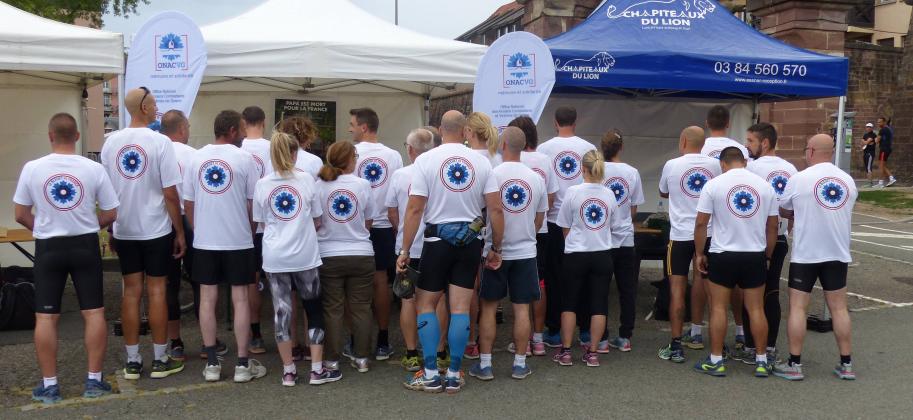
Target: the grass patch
(898, 200)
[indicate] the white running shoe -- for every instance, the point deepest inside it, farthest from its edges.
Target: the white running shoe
(891, 181)
(254, 370)
(212, 373)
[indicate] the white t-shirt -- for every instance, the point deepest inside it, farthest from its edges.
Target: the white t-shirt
(713, 146)
(140, 163)
(624, 181)
(522, 197)
(308, 163)
(540, 164)
(588, 212)
(492, 160)
(777, 172)
(398, 198)
(822, 199)
(455, 180)
(220, 180)
(683, 178)
(183, 153)
(566, 156)
(376, 164)
(64, 190)
(739, 203)
(346, 205)
(287, 207)
(260, 149)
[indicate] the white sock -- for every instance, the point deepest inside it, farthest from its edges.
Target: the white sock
(92, 375)
(715, 359)
(160, 351)
(537, 337)
(290, 368)
(430, 373)
(452, 374)
(49, 381)
(520, 360)
(696, 329)
(739, 330)
(484, 360)
(133, 353)
(316, 367)
(761, 358)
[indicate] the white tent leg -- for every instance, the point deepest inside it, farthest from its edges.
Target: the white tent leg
(838, 141)
(121, 97)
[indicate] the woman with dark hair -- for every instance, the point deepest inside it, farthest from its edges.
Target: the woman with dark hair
(304, 131)
(347, 273)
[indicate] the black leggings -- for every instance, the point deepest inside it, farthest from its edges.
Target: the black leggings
(586, 282)
(554, 253)
(175, 274)
(625, 281)
(771, 297)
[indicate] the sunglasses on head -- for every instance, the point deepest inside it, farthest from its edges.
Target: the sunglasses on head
(145, 94)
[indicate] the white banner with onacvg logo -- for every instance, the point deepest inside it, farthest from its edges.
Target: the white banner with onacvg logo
(168, 57)
(515, 78)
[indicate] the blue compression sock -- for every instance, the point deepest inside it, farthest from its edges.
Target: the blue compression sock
(457, 337)
(429, 334)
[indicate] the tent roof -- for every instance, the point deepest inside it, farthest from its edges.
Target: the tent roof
(332, 40)
(29, 43)
(687, 48)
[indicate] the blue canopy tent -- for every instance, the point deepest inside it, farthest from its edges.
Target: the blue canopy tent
(687, 48)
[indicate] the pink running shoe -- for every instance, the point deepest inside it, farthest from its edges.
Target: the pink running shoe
(603, 347)
(591, 359)
(563, 358)
(472, 351)
(538, 349)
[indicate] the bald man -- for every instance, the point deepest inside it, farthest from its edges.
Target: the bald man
(149, 232)
(820, 202)
(681, 182)
(450, 187)
(524, 200)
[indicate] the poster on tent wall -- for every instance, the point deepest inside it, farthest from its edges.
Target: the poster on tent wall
(321, 113)
(515, 78)
(168, 57)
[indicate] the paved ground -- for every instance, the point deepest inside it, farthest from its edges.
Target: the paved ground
(634, 385)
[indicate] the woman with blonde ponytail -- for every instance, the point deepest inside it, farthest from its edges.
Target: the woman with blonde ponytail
(586, 216)
(285, 202)
(347, 273)
(482, 137)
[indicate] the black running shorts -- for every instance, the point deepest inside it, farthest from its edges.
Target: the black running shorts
(234, 267)
(78, 257)
(151, 256)
(679, 255)
(832, 274)
(443, 264)
(519, 277)
(746, 270)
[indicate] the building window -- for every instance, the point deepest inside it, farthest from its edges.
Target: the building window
(886, 42)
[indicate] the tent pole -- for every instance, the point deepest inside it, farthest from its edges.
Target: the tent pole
(426, 116)
(756, 112)
(838, 138)
(121, 108)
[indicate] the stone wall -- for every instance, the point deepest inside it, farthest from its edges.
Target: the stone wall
(873, 75)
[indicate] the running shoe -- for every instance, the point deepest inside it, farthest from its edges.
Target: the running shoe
(472, 351)
(713, 369)
(165, 369)
(383, 352)
(360, 364)
(331, 364)
(95, 388)
(563, 358)
(762, 370)
(744, 355)
(133, 370)
(347, 351)
(584, 338)
(480, 373)
(785, 370)
(620, 343)
(253, 370)
(538, 349)
(221, 350)
(520, 372)
(603, 347)
(552, 340)
(300, 353)
(325, 376)
(212, 373)
(411, 364)
(727, 354)
(880, 184)
(591, 359)
(694, 342)
(256, 346)
(289, 379)
(845, 370)
(454, 384)
(177, 352)
(443, 363)
(512, 348)
(46, 394)
(891, 181)
(418, 382)
(739, 342)
(674, 355)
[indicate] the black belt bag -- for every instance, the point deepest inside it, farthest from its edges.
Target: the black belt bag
(458, 234)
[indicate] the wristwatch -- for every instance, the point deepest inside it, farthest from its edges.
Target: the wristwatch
(402, 252)
(496, 249)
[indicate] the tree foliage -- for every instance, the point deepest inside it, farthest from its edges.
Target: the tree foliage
(68, 11)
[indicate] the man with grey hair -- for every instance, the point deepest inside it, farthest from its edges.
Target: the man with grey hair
(418, 141)
(450, 187)
(524, 200)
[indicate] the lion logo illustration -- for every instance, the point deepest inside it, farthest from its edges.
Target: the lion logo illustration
(600, 62)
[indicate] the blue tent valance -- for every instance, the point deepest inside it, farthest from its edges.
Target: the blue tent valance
(687, 48)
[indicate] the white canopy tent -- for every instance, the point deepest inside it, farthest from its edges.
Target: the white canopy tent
(44, 68)
(328, 51)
